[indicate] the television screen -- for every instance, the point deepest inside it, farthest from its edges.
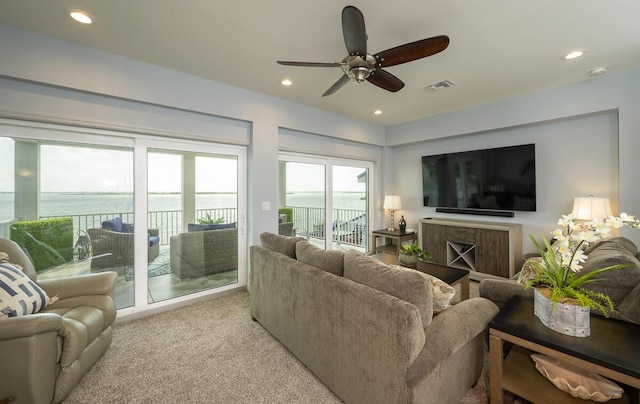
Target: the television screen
(503, 178)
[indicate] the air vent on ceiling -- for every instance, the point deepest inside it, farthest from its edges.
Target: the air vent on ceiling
(440, 85)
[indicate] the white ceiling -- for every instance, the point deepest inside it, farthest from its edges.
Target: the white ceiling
(498, 49)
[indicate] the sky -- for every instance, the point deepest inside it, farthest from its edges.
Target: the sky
(84, 169)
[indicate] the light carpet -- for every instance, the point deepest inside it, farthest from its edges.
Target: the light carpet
(209, 352)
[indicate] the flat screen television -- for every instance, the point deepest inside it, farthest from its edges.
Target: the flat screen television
(499, 179)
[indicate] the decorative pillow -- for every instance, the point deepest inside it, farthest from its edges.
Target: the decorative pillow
(575, 381)
(19, 295)
(410, 286)
(210, 226)
(283, 244)
(442, 291)
(114, 224)
(528, 271)
(327, 260)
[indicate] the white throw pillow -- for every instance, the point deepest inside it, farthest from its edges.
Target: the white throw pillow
(575, 381)
(19, 295)
(442, 291)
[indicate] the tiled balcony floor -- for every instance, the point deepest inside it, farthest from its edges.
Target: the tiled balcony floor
(161, 287)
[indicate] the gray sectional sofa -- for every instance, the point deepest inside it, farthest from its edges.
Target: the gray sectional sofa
(622, 285)
(365, 329)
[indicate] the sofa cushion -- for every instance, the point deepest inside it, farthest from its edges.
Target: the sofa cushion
(19, 295)
(619, 283)
(328, 260)
(442, 291)
(283, 244)
(410, 286)
(114, 224)
(191, 227)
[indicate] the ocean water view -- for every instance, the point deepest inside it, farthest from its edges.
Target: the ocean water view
(61, 204)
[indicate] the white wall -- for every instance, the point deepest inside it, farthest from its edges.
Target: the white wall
(586, 138)
(50, 80)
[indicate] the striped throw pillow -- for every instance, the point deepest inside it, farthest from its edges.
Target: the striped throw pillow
(19, 295)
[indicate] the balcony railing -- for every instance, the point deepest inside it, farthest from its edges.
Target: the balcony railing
(349, 226)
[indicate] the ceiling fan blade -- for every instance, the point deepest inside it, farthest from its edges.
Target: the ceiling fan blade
(385, 80)
(337, 85)
(310, 64)
(412, 51)
(354, 32)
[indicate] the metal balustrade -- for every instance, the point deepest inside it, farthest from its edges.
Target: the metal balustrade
(349, 226)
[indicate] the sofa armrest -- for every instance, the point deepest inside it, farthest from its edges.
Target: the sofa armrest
(90, 284)
(449, 331)
(501, 291)
(27, 326)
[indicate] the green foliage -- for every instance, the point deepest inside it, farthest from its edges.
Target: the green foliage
(48, 242)
(207, 219)
(288, 212)
(414, 249)
(566, 284)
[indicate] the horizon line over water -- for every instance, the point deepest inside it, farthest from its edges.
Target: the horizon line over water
(84, 203)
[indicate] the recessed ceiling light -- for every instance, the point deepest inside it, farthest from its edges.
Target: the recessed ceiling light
(377, 112)
(286, 82)
(574, 54)
(598, 71)
(80, 16)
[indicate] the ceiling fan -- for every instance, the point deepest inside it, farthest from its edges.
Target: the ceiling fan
(360, 65)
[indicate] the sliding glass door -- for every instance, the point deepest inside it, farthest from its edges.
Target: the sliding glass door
(166, 215)
(193, 207)
(328, 199)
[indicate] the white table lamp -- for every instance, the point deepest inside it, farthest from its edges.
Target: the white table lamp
(590, 208)
(392, 203)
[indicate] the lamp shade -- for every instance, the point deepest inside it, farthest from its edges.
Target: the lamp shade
(590, 208)
(392, 202)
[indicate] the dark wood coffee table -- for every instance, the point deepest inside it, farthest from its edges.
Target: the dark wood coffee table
(612, 350)
(449, 275)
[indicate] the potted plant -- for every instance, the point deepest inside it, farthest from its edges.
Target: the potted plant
(410, 253)
(558, 279)
(209, 220)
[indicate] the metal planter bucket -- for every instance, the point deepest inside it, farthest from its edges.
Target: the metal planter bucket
(566, 319)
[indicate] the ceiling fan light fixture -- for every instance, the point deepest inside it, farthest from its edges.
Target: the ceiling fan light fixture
(359, 73)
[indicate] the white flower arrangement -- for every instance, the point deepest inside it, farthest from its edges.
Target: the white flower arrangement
(562, 261)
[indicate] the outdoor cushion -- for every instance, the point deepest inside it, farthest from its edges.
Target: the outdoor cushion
(210, 226)
(114, 224)
(19, 295)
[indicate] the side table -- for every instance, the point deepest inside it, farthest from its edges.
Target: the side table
(392, 240)
(612, 350)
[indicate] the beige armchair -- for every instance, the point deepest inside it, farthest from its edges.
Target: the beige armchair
(44, 355)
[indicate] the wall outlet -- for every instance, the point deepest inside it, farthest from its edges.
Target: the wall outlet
(266, 206)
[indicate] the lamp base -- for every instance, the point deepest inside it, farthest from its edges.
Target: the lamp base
(392, 229)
